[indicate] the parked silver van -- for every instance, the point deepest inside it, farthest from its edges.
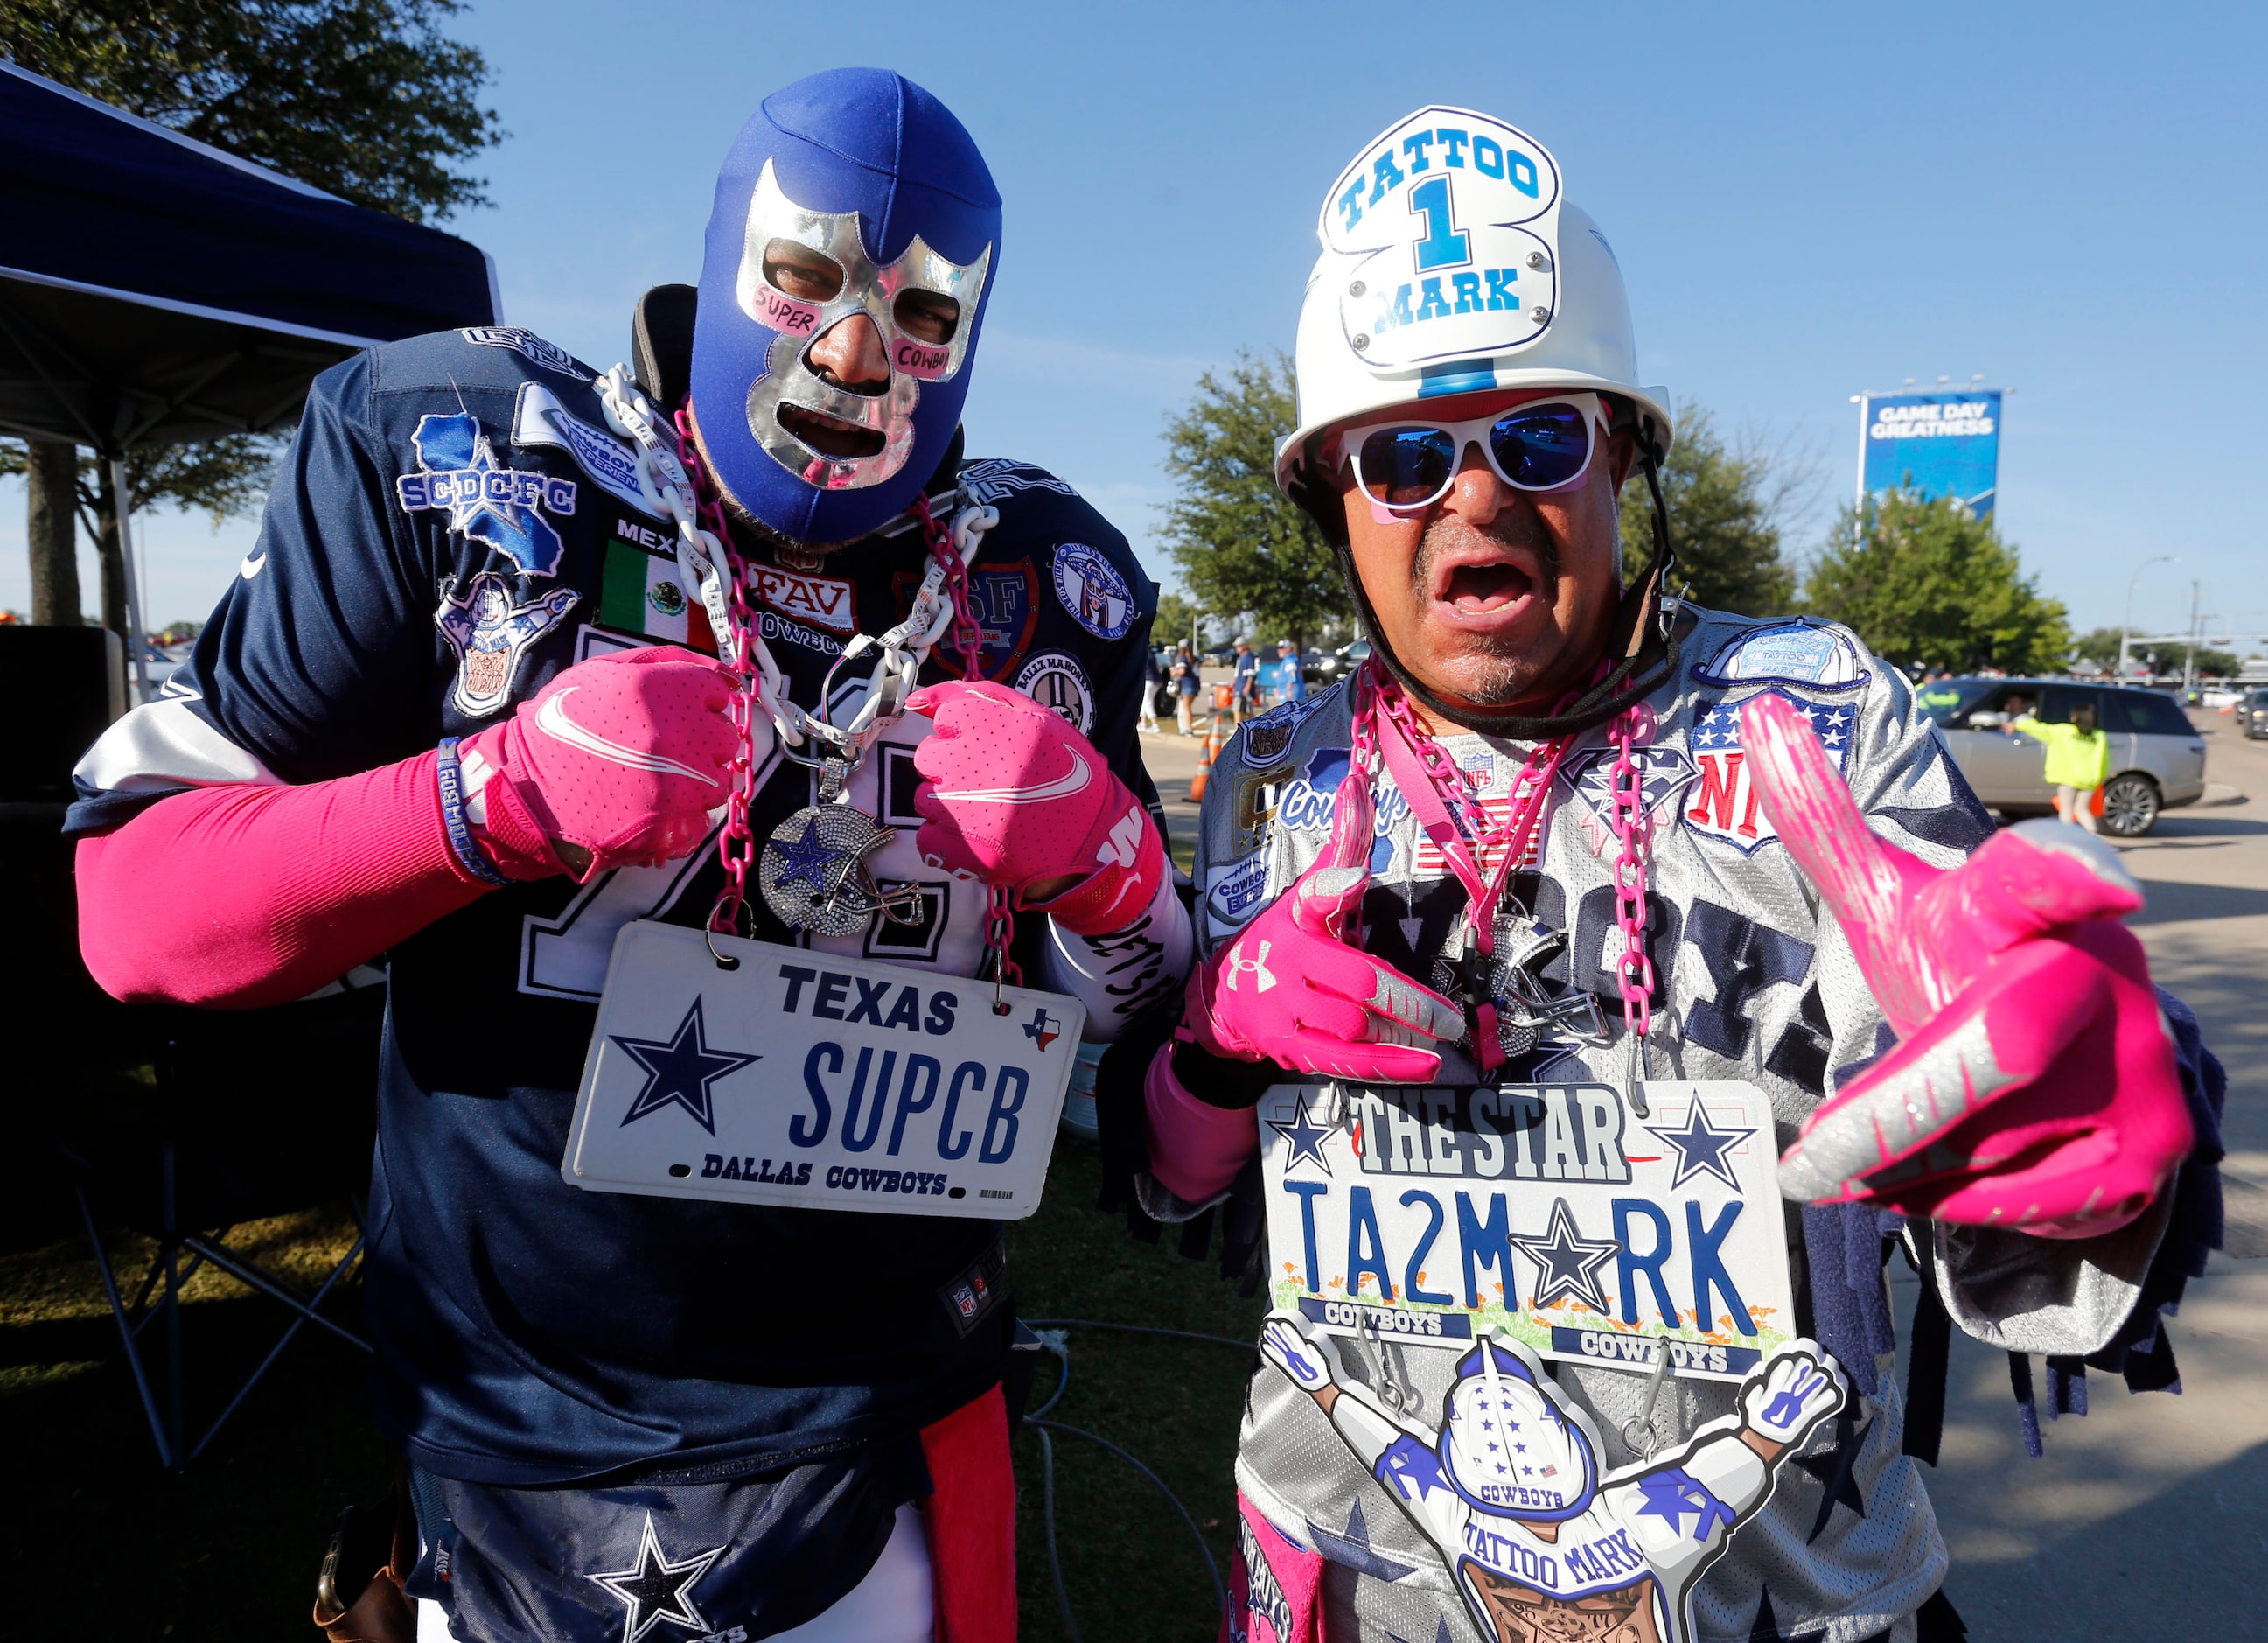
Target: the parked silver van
(2157, 756)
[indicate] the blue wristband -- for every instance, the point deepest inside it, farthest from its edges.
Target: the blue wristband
(469, 856)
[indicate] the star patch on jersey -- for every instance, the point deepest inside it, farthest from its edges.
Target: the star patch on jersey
(1664, 774)
(501, 507)
(490, 635)
(1722, 803)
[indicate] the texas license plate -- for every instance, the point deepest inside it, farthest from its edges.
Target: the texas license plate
(800, 1077)
(1546, 1210)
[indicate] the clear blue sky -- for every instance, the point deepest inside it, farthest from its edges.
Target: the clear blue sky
(1807, 200)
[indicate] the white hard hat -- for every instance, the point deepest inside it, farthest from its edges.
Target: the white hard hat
(1511, 1450)
(1452, 264)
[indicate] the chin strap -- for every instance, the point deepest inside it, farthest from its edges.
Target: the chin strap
(1641, 635)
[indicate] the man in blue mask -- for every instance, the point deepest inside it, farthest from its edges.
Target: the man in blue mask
(519, 642)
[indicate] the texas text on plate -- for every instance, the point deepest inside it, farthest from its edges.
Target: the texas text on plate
(805, 1079)
(1544, 1210)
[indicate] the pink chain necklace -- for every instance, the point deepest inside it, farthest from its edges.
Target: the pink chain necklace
(1377, 695)
(1634, 970)
(736, 844)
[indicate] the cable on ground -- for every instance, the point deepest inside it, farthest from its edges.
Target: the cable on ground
(1053, 1334)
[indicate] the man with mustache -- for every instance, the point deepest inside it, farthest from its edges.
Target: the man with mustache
(526, 653)
(1548, 793)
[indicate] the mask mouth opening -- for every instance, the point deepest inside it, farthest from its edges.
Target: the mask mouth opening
(829, 436)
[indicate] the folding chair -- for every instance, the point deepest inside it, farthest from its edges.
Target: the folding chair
(217, 1147)
(234, 1131)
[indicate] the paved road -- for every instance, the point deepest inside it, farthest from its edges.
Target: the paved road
(2149, 1518)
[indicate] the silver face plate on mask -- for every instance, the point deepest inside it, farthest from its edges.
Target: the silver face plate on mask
(869, 289)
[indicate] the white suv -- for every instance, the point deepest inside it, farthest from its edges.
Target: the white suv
(2157, 756)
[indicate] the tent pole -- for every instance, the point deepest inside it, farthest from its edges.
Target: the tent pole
(137, 643)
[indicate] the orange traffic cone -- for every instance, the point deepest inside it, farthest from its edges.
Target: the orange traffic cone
(1205, 759)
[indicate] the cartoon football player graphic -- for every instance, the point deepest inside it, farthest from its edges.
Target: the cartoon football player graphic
(490, 635)
(1544, 1548)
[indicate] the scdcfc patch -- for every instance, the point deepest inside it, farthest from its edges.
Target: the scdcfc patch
(1092, 592)
(1058, 682)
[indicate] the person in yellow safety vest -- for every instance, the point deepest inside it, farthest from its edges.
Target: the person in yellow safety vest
(2078, 759)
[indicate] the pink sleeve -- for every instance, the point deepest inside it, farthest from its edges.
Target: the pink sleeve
(238, 897)
(1195, 1150)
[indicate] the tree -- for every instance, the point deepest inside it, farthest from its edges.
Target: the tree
(1177, 620)
(365, 99)
(2100, 647)
(1926, 583)
(1721, 504)
(1240, 545)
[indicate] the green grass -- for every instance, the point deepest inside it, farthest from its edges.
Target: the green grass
(100, 1544)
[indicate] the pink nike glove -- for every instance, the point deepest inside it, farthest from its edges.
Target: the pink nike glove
(1292, 989)
(623, 757)
(2034, 1084)
(1013, 795)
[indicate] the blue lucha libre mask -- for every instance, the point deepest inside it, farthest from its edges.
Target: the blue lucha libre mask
(851, 192)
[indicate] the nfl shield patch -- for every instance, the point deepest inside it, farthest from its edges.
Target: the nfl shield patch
(1721, 804)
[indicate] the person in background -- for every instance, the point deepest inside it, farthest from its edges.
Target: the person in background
(1247, 694)
(2078, 759)
(1185, 690)
(1146, 722)
(1290, 684)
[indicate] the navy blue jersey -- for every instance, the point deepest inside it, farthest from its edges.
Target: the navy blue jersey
(451, 527)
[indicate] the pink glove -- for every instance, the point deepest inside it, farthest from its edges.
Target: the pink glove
(1196, 1149)
(2034, 1084)
(1292, 990)
(623, 757)
(1015, 796)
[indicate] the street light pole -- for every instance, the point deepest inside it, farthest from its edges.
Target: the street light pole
(2127, 626)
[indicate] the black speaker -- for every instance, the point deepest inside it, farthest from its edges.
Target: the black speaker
(63, 687)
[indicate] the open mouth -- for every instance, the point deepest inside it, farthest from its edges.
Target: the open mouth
(1483, 589)
(829, 436)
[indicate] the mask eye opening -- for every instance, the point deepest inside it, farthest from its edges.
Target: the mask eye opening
(795, 269)
(926, 316)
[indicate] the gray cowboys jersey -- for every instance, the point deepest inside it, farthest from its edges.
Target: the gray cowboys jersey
(1754, 982)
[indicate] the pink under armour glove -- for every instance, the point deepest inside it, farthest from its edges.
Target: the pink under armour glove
(1015, 796)
(1292, 988)
(2034, 1084)
(623, 756)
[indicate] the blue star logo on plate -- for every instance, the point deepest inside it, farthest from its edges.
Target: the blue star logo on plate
(1723, 803)
(501, 507)
(1701, 1148)
(680, 1071)
(655, 1589)
(1569, 1262)
(1306, 1136)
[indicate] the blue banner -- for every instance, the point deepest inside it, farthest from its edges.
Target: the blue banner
(1937, 443)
